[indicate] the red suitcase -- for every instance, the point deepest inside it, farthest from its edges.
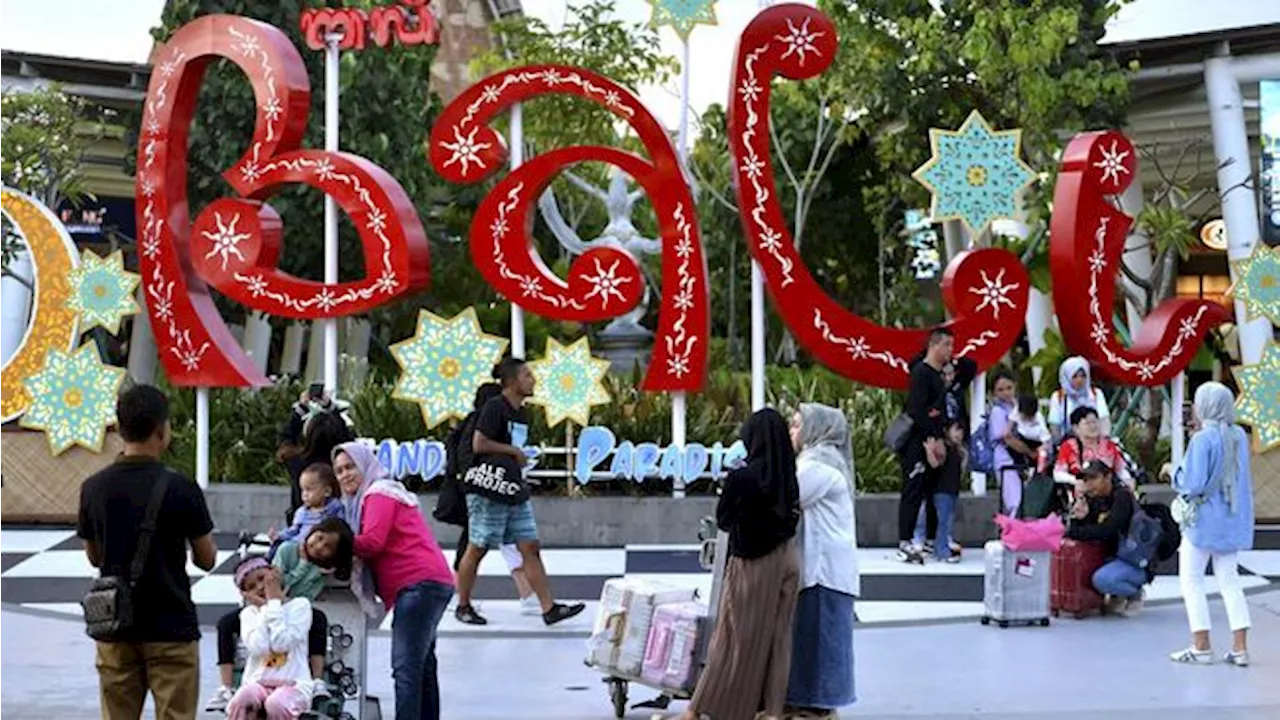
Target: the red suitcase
(1071, 578)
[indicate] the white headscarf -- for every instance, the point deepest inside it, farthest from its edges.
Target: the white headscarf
(1082, 397)
(825, 438)
(1215, 407)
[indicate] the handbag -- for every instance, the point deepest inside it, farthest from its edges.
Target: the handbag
(1184, 510)
(895, 436)
(108, 606)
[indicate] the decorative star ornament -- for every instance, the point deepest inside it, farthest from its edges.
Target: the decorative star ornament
(1259, 403)
(1257, 283)
(73, 399)
(569, 382)
(102, 290)
(975, 173)
(443, 363)
(682, 15)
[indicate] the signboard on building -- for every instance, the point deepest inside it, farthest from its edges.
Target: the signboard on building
(1269, 122)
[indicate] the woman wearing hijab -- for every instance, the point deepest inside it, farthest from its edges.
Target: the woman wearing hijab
(399, 559)
(1214, 482)
(821, 678)
(750, 653)
(1076, 391)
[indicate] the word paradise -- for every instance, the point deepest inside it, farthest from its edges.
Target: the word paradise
(631, 461)
(234, 244)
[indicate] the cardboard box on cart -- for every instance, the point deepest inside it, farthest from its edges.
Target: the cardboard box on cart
(621, 631)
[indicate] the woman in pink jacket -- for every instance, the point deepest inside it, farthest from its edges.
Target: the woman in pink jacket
(398, 558)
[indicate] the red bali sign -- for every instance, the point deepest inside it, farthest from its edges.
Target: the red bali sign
(234, 243)
(1087, 236)
(410, 23)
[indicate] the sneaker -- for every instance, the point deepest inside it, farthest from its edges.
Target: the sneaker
(928, 548)
(562, 611)
(1239, 659)
(467, 615)
(953, 558)
(1193, 656)
(956, 548)
(320, 691)
(530, 605)
(218, 701)
(909, 553)
(1133, 606)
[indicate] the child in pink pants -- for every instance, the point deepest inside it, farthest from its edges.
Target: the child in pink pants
(277, 675)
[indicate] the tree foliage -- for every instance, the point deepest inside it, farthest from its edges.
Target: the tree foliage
(46, 135)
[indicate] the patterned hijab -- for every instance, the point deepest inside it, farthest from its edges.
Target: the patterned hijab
(825, 438)
(1215, 407)
(1084, 396)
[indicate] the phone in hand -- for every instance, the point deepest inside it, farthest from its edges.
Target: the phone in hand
(315, 391)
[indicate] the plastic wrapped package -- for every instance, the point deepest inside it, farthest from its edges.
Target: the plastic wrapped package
(621, 631)
(670, 658)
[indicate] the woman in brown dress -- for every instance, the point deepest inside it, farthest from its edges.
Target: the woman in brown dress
(750, 656)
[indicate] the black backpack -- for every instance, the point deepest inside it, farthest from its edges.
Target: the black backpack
(451, 505)
(1171, 536)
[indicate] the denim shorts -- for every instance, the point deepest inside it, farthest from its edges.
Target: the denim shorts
(492, 524)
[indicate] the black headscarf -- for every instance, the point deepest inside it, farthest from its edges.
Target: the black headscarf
(760, 506)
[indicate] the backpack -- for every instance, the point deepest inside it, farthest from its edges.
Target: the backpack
(1140, 546)
(981, 448)
(1172, 536)
(451, 505)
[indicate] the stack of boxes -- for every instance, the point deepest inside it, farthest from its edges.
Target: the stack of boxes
(621, 633)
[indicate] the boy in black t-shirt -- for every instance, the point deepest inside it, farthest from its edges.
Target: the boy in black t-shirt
(163, 643)
(498, 507)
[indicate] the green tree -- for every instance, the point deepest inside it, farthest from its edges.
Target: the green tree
(46, 135)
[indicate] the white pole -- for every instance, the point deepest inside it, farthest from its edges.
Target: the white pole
(517, 158)
(678, 407)
(757, 336)
(331, 209)
(1176, 422)
(1239, 207)
(202, 437)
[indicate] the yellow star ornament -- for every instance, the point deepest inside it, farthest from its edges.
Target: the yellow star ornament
(443, 363)
(569, 382)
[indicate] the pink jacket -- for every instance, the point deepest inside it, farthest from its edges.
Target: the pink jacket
(395, 541)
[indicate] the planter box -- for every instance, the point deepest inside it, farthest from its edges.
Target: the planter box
(604, 521)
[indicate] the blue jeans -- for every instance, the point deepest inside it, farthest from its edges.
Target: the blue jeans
(1119, 578)
(945, 505)
(418, 610)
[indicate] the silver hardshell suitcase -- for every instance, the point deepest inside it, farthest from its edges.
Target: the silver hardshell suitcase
(1017, 586)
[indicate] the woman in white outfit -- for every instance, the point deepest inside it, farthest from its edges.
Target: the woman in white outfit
(821, 677)
(1215, 508)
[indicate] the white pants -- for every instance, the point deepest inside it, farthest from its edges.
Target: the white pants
(1191, 566)
(511, 554)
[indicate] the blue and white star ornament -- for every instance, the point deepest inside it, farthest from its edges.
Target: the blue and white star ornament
(102, 290)
(682, 15)
(1259, 403)
(444, 363)
(569, 382)
(73, 399)
(975, 173)
(1257, 283)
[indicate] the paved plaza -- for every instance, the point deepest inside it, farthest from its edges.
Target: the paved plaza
(1099, 668)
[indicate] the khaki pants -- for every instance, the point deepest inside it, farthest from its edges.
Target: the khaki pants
(170, 670)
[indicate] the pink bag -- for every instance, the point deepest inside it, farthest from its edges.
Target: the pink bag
(1041, 535)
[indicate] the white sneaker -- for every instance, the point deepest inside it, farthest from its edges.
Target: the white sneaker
(219, 699)
(1239, 659)
(530, 605)
(1192, 656)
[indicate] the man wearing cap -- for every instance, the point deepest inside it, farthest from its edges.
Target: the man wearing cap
(1102, 514)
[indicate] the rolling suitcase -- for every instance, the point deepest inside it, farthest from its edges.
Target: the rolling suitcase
(1073, 569)
(1016, 587)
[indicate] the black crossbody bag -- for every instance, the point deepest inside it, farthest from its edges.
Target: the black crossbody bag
(108, 606)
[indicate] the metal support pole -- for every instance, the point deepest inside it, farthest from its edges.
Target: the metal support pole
(202, 437)
(1177, 444)
(330, 325)
(517, 158)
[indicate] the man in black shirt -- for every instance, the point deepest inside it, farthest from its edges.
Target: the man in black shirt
(924, 452)
(160, 652)
(498, 507)
(1102, 513)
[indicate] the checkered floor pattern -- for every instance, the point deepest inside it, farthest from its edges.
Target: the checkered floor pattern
(46, 569)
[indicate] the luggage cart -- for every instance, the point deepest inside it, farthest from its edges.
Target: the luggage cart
(712, 556)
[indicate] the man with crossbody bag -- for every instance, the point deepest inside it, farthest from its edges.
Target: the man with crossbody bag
(137, 519)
